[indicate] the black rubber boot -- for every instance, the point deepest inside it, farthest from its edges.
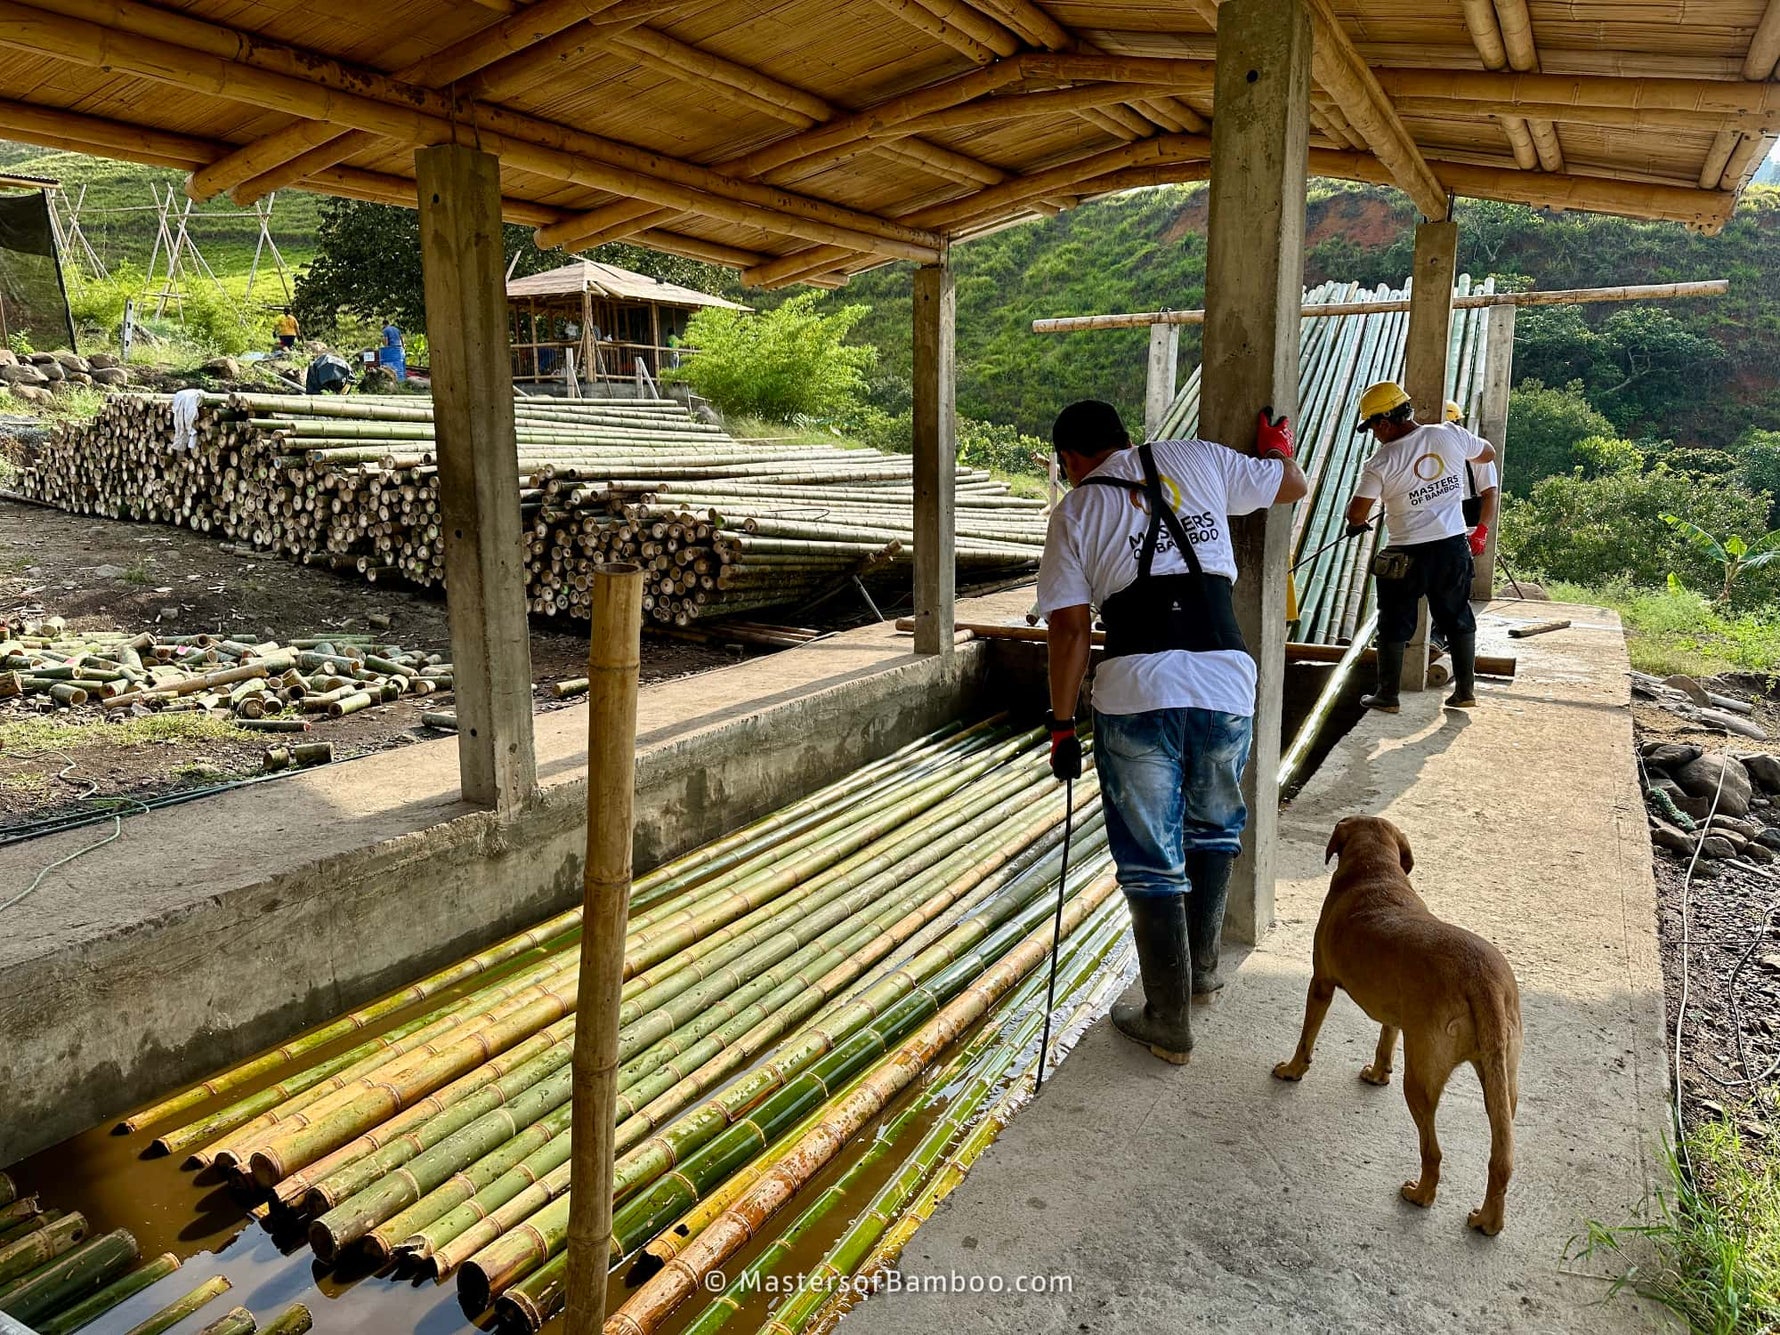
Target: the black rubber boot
(1162, 1023)
(1210, 875)
(1464, 672)
(1390, 679)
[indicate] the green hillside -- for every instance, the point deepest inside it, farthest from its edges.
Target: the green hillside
(119, 219)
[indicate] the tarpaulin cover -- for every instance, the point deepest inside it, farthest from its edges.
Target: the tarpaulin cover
(33, 301)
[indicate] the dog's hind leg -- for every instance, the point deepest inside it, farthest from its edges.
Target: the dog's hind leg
(1498, 1102)
(1316, 1007)
(1379, 1073)
(1422, 1086)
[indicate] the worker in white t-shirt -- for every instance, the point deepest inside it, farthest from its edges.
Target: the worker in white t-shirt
(1483, 491)
(1418, 473)
(1145, 537)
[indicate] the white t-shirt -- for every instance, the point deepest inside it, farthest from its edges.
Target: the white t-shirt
(1092, 548)
(1421, 479)
(1484, 475)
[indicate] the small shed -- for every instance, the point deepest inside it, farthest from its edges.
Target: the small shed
(610, 318)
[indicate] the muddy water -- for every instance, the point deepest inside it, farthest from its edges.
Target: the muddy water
(113, 1181)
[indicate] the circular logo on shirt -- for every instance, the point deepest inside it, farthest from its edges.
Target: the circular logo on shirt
(1170, 490)
(1429, 467)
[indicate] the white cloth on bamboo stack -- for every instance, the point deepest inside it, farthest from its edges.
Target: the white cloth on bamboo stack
(185, 419)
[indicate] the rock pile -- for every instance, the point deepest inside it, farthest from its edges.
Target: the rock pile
(1682, 782)
(36, 377)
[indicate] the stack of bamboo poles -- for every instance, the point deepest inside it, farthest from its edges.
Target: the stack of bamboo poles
(1340, 355)
(783, 986)
(57, 1279)
(267, 687)
(721, 526)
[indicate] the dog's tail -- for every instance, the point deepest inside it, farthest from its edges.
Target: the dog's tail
(1497, 1017)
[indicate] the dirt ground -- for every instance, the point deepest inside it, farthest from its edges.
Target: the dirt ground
(1732, 950)
(101, 574)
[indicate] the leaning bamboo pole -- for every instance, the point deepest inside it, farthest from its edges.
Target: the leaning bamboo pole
(182, 1307)
(90, 1309)
(612, 666)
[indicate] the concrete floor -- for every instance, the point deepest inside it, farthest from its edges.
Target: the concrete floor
(1212, 1197)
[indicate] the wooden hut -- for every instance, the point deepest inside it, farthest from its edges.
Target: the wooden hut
(604, 319)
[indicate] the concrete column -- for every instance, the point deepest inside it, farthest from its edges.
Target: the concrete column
(936, 459)
(1498, 376)
(1254, 278)
(1158, 391)
(466, 304)
(1425, 358)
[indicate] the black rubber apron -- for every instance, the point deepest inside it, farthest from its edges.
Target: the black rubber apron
(1156, 613)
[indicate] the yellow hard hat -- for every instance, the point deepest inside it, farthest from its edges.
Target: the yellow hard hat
(1379, 399)
(1453, 413)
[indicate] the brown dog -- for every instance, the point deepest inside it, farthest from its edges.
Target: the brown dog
(1449, 991)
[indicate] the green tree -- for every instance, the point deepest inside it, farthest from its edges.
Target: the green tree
(790, 362)
(1733, 555)
(1544, 427)
(1758, 467)
(1597, 530)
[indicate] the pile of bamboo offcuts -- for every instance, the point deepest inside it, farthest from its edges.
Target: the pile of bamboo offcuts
(265, 687)
(1339, 356)
(788, 991)
(57, 1278)
(721, 526)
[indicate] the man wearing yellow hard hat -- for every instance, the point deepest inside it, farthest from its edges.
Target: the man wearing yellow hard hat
(1417, 473)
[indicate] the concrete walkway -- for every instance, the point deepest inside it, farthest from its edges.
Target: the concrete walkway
(1212, 1197)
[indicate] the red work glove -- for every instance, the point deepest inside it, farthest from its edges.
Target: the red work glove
(1478, 535)
(1273, 438)
(1066, 749)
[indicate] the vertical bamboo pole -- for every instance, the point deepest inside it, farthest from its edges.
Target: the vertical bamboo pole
(1498, 378)
(1425, 355)
(1158, 394)
(612, 660)
(936, 459)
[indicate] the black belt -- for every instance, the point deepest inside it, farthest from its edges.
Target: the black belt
(1158, 613)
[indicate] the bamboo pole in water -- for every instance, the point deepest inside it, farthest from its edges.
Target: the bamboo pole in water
(41, 1246)
(180, 1308)
(70, 1276)
(236, 1321)
(612, 665)
(89, 1310)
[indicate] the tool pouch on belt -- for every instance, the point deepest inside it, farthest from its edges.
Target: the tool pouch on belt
(1154, 614)
(1392, 565)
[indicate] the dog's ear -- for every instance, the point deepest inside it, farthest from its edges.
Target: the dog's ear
(1404, 854)
(1337, 838)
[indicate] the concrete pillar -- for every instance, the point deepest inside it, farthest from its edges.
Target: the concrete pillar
(1254, 277)
(1158, 391)
(1425, 359)
(466, 304)
(1498, 376)
(936, 459)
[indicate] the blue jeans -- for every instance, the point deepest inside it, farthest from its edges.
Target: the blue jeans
(1172, 780)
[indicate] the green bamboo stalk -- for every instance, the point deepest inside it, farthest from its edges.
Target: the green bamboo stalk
(293, 1320)
(41, 1246)
(9, 1191)
(236, 1321)
(18, 1212)
(85, 1312)
(69, 1277)
(15, 1232)
(179, 1309)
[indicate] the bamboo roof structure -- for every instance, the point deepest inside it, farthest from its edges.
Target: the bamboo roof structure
(608, 280)
(810, 139)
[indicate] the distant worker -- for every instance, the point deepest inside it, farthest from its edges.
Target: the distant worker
(328, 374)
(287, 329)
(1417, 473)
(1483, 492)
(1144, 536)
(393, 355)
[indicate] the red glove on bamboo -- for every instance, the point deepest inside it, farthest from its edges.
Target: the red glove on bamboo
(1273, 438)
(1478, 534)
(1066, 749)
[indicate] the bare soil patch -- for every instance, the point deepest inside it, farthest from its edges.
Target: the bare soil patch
(101, 574)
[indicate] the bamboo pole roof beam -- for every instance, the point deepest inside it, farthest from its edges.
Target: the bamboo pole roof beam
(1490, 90)
(1758, 64)
(263, 162)
(1486, 36)
(1016, 106)
(1339, 69)
(1706, 210)
(1517, 43)
(926, 21)
(558, 152)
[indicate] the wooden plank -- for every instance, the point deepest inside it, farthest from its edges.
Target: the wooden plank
(463, 272)
(1498, 358)
(1254, 268)
(936, 453)
(1164, 362)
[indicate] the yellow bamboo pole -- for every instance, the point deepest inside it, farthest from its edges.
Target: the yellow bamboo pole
(612, 663)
